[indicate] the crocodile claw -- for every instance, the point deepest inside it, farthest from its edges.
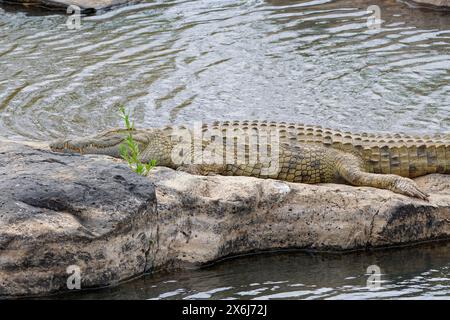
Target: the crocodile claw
(409, 188)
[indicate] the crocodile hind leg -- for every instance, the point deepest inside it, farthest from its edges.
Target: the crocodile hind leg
(350, 167)
(312, 164)
(315, 164)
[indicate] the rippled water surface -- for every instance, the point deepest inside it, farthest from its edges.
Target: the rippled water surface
(421, 272)
(178, 61)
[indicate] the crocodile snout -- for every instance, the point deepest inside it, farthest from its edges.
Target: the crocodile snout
(59, 145)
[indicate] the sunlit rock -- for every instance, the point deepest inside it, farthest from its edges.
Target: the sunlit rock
(61, 214)
(437, 3)
(203, 219)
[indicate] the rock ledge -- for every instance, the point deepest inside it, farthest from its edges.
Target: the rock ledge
(60, 210)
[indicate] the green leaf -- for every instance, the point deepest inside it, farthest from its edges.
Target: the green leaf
(129, 150)
(124, 152)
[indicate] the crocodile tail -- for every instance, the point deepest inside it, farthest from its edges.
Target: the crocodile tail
(404, 155)
(401, 154)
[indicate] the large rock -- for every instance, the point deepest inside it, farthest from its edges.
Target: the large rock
(60, 210)
(203, 219)
(436, 3)
(62, 5)
(57, 211)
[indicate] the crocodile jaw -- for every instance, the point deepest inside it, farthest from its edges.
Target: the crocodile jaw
(106, 143)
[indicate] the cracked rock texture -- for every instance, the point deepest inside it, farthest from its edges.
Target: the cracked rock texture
(58, 210)
(203, 219)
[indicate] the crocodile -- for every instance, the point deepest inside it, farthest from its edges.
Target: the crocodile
(302, 153)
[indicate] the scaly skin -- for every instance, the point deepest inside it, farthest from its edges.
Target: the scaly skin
(299, 153)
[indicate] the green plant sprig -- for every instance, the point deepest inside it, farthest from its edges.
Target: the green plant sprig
(129, 150)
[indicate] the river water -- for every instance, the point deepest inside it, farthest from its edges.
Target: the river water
(316, 62)
(419, 272)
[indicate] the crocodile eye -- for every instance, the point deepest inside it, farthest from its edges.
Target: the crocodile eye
(117, 139)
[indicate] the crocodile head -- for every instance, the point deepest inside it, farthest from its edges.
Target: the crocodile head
(107, 142)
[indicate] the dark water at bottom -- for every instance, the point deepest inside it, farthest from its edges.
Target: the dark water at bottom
(417, 272)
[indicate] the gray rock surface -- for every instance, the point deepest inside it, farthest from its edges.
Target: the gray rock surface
(203, 219)
(61, 5)
(59, 210)
(437, 3)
